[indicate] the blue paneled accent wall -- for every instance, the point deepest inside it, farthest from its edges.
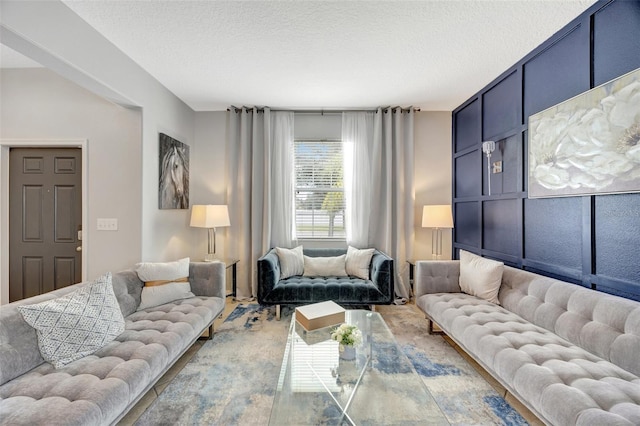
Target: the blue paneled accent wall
(592, 241)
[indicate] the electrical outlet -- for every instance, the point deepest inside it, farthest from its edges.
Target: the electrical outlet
(497, 167)
(107, 224)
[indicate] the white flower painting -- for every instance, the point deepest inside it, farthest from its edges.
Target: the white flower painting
(589, 144)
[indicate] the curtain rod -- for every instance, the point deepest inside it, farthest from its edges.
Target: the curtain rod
(324, 111)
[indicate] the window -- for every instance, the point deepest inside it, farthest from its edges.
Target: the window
(319, 189)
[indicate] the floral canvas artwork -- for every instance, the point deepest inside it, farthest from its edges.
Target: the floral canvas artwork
(589, 144)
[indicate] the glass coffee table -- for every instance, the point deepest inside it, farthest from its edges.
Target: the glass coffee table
(380, 386)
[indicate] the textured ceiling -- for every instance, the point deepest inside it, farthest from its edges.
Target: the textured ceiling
(326, 54)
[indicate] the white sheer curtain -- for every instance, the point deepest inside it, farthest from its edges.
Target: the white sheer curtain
(260, 189)
(357, 139)
(380, 188)
(281, 164)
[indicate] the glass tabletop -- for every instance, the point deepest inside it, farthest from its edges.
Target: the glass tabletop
(380, 386)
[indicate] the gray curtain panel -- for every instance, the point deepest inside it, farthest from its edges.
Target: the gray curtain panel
(259, 194)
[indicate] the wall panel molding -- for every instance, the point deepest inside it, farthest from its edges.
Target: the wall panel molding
(590, 240)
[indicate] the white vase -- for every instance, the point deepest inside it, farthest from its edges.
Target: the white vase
(347, 353)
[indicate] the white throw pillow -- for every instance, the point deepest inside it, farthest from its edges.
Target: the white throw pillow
(358, 262)
(164, 282)
(160, 294)
(325, 266)
(77, 324)
(291, 261)
(150, 271)
(480, 277)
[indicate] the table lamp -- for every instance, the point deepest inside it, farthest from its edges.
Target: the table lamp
(437, 217)
(211, 217)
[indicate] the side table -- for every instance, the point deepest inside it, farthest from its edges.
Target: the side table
(412, 265)
(230, 263)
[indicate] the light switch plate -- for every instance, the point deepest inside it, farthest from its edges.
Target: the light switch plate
(107, 224)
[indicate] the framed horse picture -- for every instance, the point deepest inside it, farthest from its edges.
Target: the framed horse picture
(173, 189)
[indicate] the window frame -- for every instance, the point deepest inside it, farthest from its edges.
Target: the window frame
(327, 189)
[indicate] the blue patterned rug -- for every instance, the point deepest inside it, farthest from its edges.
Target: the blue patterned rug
(232, 378)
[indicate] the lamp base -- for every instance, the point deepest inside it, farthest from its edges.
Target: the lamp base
(436, 244)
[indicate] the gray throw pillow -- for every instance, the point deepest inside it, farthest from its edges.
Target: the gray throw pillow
(77, 324)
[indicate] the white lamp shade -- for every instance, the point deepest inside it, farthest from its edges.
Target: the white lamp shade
(209, 216)
(438, 216)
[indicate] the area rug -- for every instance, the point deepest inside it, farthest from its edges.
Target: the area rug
(231, 380)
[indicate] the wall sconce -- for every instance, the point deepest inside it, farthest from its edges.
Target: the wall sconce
(210, 216)
(488, 147)
(437, 217)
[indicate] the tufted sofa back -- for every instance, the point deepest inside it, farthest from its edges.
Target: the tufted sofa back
(323, 252)
(605, 325)
(128, 288)
(19, 351)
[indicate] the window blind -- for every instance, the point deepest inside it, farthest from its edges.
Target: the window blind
(319, 191)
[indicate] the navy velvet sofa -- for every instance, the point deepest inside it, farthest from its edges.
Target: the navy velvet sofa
(377, 290)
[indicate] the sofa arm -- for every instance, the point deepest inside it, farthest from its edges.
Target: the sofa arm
(436, 276)
(208, 279)
(268, 274)
(382, 275)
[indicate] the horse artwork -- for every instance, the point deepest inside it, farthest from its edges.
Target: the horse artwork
(173, 192)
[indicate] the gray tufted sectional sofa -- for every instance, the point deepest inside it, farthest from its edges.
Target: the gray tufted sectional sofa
(99, 389)
(570, 354)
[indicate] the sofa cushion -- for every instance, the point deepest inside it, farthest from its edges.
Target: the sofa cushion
(166, 292)
(18, 340)
(607, 326)
(291, 261)
(480, 276)
(333, 266)
(358, 262)
(346, 290)
(561, 380)
(73, 326)
(98, 387)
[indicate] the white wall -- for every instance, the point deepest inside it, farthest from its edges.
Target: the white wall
(50, 33)
(209, 176)
(432, 175)
(38, 104)
(318, 126)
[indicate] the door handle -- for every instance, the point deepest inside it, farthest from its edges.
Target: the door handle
(79, 248)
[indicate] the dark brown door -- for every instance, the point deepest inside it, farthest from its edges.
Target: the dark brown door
(45, 217)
